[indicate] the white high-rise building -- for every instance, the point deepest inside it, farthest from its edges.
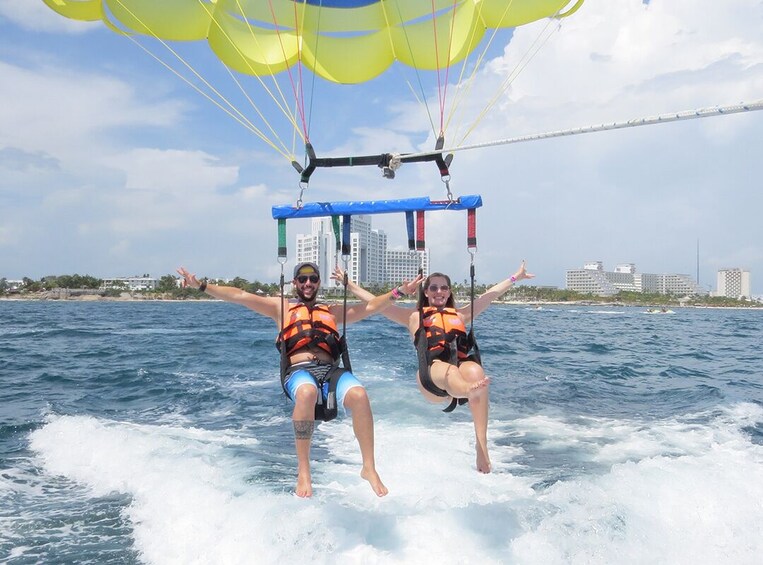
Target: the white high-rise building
(734, 283)
(369, 262)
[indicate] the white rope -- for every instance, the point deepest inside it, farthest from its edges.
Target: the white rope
(663, 118)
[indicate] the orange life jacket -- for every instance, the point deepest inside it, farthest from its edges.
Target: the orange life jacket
(310, 326)
(444, 326)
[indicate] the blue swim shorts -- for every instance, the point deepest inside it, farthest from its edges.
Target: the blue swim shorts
(309, 373)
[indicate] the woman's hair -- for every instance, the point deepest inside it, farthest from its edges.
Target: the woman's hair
(424, 301)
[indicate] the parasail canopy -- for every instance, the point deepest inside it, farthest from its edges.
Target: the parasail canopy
(341, 41)
(344, 41)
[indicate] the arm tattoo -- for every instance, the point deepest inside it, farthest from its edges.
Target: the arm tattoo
(303, 429)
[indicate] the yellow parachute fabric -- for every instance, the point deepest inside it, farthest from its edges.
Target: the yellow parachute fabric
(342, 44)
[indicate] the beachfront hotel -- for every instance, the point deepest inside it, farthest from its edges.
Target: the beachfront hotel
(369, 262)
(593, 279)
(734, 283)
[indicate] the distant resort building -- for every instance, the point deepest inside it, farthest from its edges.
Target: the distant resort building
(593, 279)
(734, 283)
(130, 283)
(13, 285)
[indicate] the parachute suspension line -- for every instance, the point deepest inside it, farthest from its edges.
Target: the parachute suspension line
(296, 90)
(389, 163)
(312, 81)
(282, 105)
(538, 43)
(301, 81)
(442, 85)
(462, 94)
(231, 110)
(395, 68)
(423, 99)
(659, 119)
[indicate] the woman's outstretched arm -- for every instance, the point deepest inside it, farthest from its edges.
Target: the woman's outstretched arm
(484, 300)
(394, 312)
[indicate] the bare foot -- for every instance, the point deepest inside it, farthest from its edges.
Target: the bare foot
(373, 477)
(304, 485)
(483, 461)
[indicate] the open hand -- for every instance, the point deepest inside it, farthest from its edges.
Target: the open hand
(189, 279)
(410, 287)
(522, 274)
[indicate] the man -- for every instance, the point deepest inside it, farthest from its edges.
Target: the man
(308, 333)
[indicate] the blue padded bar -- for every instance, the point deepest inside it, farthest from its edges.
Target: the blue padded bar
(317, 209)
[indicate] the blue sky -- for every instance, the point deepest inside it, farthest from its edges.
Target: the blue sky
(111, 166)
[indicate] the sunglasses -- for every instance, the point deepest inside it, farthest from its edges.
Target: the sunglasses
(302, 279)
(435, 288)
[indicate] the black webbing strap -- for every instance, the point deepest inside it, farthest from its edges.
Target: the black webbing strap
(343, 339)
(382, 160)
(284, 357)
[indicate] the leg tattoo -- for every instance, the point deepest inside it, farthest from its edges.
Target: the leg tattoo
(303, 429)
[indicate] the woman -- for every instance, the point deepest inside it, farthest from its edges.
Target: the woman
(449, 363)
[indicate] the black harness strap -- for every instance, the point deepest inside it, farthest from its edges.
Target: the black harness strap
(326, 408)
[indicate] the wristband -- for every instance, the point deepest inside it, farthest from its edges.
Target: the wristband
(203, 286)
(513, 279)
(396, 293)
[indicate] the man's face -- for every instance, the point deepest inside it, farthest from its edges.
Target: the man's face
(306, 285)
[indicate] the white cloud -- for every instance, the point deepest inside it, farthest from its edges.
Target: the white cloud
(72, 116)
(172, 170)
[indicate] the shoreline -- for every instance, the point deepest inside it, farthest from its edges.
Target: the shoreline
(538, 304)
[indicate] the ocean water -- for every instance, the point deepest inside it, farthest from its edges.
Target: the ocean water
(157, 433)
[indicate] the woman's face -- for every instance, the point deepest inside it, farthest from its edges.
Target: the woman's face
(437, 291)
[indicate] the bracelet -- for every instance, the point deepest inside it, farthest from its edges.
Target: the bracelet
(396, 293)
(513, 278)
(203, 286)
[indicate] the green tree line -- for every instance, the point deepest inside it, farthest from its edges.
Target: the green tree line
(167, 287)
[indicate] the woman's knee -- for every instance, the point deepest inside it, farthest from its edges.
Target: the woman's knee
(472, 372)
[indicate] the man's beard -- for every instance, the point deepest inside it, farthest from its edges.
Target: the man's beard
(304, 298)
